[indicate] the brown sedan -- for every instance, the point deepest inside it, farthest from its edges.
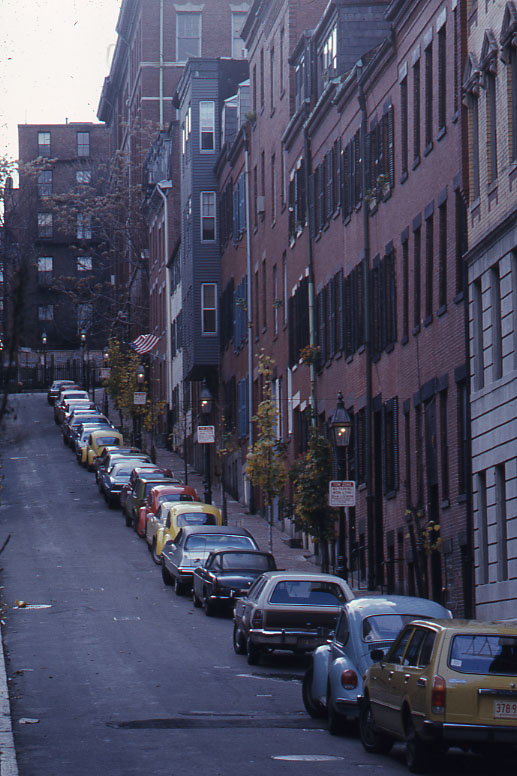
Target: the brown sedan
(292, 611)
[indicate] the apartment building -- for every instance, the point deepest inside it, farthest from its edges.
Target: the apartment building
(490, 97)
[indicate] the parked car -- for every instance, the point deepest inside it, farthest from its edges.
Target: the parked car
(137, 494)
(226, 575)
(142, 468)
(443, 683)
(98, 440)
(103, 459)
(111, 484)
(57, 386)
(157, 496)
(64, 398)
(288, 610)
(333, 683)
(83, 435)
(75, 420)
(181, 515)
(192, 547)
(78, 404)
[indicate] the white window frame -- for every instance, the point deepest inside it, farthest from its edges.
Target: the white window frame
(183, 15)
(83, 176)
(239, 50)
(43, 147)
(84, 226)
(84, 316)
(45, 183)
(45, 312)
(205, 216)
(45, 265)
(207, 125)
(81, 145)
(206, 309)
(84, 264)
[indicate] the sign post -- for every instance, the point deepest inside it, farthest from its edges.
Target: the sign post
(342, 493)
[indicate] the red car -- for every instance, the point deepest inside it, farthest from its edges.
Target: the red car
(157, 496)
(142, 470)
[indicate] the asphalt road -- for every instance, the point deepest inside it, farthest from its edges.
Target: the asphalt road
(116, 674)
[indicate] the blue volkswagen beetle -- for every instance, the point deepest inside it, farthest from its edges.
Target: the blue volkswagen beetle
(333, 683)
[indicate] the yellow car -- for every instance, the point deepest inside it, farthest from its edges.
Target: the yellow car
(183, 514)
(97, 441)
(443, 683)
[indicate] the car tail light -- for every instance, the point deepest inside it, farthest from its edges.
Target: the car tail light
(438, 695)
(257, 619)
(349, 679)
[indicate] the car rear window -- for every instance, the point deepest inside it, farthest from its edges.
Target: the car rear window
(212, 542)
(196, 518)
(484, 654)
(237, 561)
(108, 441)
(385, 627)
(307, 593)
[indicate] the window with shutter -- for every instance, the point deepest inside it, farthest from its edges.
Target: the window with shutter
(331, 315)
(338, 290)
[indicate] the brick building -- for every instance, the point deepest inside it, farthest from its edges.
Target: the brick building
(356, 242)
(65, 258)
(490, 96)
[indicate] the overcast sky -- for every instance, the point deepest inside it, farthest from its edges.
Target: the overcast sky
(54, 55)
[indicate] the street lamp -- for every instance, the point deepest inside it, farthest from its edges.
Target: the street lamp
(106, 358)
(140, 377)
(206, 401)
(44, 345)
(340, 431)
(83, 351)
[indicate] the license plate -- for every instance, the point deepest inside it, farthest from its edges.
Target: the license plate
(306, 643)
(505, 709)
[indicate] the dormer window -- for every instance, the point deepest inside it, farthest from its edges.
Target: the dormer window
(329, 55)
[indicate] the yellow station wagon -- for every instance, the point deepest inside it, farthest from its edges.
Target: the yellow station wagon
(443, 683)
(187, 513)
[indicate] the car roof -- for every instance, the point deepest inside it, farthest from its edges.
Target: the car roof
(216, 529)
(472, 627)
(101, 432)
(194, 506)
(397, 604)
(303, 576)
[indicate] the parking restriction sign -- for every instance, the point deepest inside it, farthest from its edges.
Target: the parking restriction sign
(342, 493)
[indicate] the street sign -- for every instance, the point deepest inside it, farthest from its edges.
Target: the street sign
(104, 372)
(342, 493)
(205, 435)
(139, 397)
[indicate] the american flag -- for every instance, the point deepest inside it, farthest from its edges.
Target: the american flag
(145, 343)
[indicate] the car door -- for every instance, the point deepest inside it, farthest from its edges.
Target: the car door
(384, 677)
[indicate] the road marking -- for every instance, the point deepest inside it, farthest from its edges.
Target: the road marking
(125, 619)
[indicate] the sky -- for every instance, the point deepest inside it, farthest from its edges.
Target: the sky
(54, 55)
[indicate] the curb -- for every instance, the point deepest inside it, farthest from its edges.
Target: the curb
(8, 762)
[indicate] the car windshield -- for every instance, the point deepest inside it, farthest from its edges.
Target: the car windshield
(122, 471)
(385, 627)
(298, 592)
(212, 542)
(481, 654)
(243, 561)
(195, 518)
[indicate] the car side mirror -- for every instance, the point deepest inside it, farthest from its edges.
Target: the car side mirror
(331, 637)
(377, 655)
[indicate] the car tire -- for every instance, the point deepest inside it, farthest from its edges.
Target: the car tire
(338, 725)
(157, 558)
(239, 642)
(179, 587)
(254, 652)
(418, 752)
(128, 519)
(313, 707)
(209, 606)
(167, 578)
(198, 603)
(372, 740)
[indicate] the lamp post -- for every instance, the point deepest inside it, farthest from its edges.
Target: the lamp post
(340, 430)
(44, 346)
(206, 402)
(1, 361)
(83, 351)
(106, 358)
(140, 377)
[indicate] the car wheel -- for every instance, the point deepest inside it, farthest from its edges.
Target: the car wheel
(128, 518)
(418, 753)
(314, 708)
(209, 606)
(372, 740)
(254, 653)
(64, 440)
(157, 558)
(179, 588)
(338, 725)
(167, 579)
(239, 643)
(195, 600)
